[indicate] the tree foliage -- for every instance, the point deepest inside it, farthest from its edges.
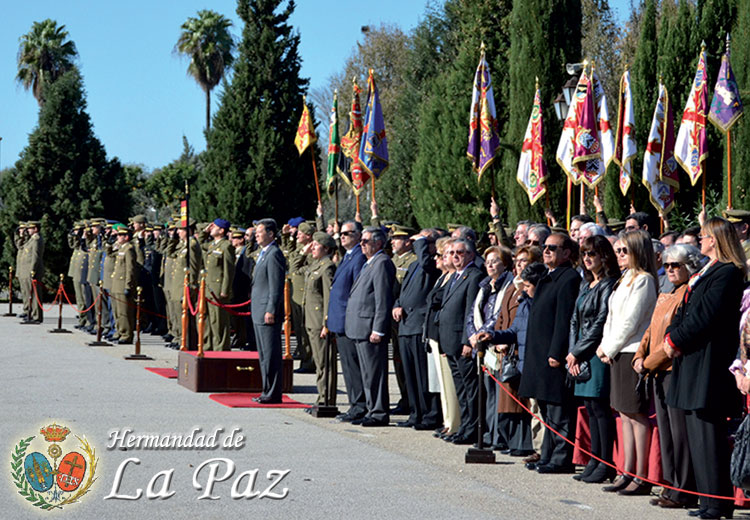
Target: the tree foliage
(63, 175)
(251, 163)
(206, 40)
(44, 55)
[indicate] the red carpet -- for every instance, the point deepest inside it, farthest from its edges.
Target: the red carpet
(169, 373)
(244, 400)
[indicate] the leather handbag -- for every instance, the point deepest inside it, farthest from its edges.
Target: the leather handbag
(510, 370)
(584, 374)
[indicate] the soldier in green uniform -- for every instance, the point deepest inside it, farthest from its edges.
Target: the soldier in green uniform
(20, 239)
(109, 248)
(124, 279)
(95, 250)
(297, 267)
(177, 251)
(318, 279)
(403, 256)
(218, 260)
(168, 271)
(33, 260)
(740, 218)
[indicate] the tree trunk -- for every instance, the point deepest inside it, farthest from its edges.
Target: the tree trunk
(208, 110)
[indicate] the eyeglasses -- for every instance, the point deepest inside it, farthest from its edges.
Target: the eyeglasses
(458, 253)
(551, 247)
(673, 265)
(366, 241)
(621, 250)
(589, 254)
(348, 233)
(533, 242)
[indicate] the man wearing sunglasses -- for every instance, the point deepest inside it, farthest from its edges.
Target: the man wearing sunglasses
(368, 323)
(544, 371)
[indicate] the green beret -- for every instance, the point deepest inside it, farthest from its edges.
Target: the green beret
(324, 239)
(307, 227)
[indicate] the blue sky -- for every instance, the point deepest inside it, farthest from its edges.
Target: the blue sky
(140, 99)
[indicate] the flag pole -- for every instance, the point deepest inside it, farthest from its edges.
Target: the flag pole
(583, 196)
(357, 197)
(570, 188)
(373, 188)
(729, 169)
(315, 171)
(703, 191)
(546, 205)
(336, 188)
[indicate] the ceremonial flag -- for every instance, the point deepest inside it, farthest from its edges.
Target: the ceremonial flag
(532, 171)
(305, 131)
(348, 166)
(691, 147)
(625, 147)
(591, 172)
(373, 151)
(184, 212)
(586, 138)
(484, 141)
(565, 148)
(726, 106)
(659, 164)
(333, 143)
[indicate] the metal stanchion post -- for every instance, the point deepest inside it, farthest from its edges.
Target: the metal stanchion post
(10, 293)
(184, 341)
(100, 307)
(326, 410)
(60, 329)
(137, 354)
(201, 313)
(480, 455)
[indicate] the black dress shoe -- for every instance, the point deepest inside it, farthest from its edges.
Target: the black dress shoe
(588, 470)
(462, 440)
(369, 422)
(423, 427)
(450, 437)
(716, 514)
(621, 482)
(406, 424)
(697, 512)
(124, 342)
(636, 488)
(600, 474)
(266, 400)
(521, 453)
(358, 421)
(399, 410)
(554, 468)
(534, 465)
(304, 370)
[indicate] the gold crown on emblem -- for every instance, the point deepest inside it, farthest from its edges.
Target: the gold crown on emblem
(54, 433)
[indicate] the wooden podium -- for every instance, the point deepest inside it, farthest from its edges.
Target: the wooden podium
(227, 371)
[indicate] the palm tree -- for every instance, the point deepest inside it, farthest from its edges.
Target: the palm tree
(206, 40)
(44, 56)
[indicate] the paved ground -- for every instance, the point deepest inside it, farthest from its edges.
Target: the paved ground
(335, 470)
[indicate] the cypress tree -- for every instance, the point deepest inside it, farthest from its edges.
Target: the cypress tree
(252, 167)
(444, 187)
(61, 176)
(544, 35)
(741, 130)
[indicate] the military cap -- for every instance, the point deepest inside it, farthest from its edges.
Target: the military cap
(737, 215)
(22, 225)
(121, 229)
(176, 216)
(453, 226)
(615, 225)
(324, 239)
(32, 223)
(238, 233)
(296, 221)
(307, 227)
(171, 224)
(139, 219)
(222, 223)
(98, 221)
(399, 231)
(332, 222)
(149, 227)
(158, 226)
(388, 224)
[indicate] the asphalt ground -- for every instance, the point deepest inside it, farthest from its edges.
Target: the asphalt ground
(335, 470)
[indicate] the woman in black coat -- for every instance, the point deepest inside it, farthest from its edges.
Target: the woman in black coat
(703, 339)
(600, 273)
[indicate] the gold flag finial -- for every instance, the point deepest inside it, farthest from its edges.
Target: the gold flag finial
(727, 44)
(626, 67)
(703, 45)
(536, 82)
(481, 47)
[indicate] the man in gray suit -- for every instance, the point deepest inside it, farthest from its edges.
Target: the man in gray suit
(267, 309)
(368, 322)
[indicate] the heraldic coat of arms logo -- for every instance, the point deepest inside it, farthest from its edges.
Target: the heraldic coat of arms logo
(55, 479)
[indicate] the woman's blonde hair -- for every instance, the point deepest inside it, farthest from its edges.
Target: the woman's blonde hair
(728, 247)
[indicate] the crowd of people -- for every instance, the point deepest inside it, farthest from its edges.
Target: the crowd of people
(602, 316)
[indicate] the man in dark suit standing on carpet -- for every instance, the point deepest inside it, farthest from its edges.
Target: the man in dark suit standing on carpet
(267, 309)
(458, 300)
(352, 260)
(368, 323)
(547, 341)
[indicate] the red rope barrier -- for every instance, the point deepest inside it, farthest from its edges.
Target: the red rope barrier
(84, 311)
(226, 308)
(192, 310)
(550, 428)
(36, 296)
